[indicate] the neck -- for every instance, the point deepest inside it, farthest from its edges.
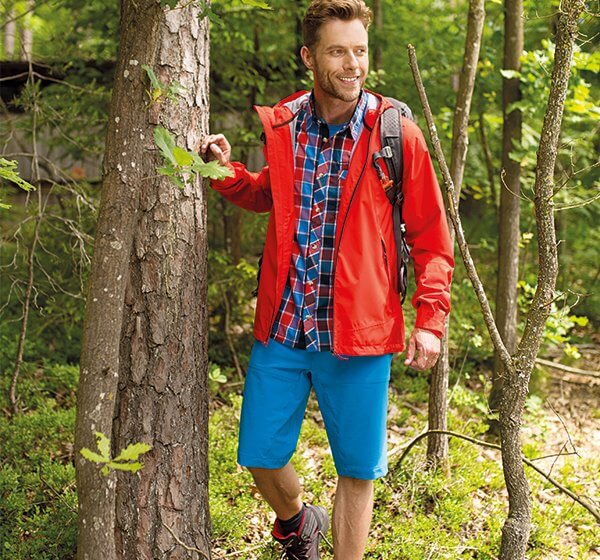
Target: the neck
(333, 110)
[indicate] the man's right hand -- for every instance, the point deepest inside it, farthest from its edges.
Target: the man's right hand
(218, 147)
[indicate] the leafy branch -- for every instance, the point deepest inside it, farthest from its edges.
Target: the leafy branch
(126, 460)
(8, 171)
(180, 163)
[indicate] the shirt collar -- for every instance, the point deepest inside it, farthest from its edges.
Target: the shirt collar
(354, 124)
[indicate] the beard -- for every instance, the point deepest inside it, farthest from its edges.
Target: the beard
(335, 89)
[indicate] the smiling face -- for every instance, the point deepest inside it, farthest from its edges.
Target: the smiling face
(339, 61)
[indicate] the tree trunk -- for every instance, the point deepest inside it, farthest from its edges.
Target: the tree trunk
(27, 33)
(145, 322)
(515, 533)
(10, 33)
(510, 189)
(437, 444)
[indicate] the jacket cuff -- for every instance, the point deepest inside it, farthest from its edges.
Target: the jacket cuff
(228, 181)
(431, 320)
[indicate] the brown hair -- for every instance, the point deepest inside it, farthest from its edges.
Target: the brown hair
(321, 11)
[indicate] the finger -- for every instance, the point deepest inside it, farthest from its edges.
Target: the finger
(423, 356)
(410, 353)
(214, 148)
(209, 140)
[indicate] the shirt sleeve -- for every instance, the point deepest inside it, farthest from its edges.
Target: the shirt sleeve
(426, 232)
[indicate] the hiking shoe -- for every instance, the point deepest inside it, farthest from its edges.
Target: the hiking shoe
(304, 545)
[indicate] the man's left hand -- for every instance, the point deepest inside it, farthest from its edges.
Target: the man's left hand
(423, 350)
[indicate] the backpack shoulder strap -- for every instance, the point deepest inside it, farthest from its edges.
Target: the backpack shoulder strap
(392, 152)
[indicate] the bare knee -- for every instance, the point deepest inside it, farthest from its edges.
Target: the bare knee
(354, 485)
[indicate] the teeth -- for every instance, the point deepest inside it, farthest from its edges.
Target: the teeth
(348, 79)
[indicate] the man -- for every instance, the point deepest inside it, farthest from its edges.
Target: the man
(328, 313)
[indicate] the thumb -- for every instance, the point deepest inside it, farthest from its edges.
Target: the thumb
(410, 353)
(218, 154)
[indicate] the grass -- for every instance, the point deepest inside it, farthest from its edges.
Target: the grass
(418, 514)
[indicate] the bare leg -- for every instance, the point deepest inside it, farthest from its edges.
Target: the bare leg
(280, 488)
(352, 512)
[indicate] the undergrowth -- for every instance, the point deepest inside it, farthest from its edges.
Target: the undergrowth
(418, 514)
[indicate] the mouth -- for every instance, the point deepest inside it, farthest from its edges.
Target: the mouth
(349, 80)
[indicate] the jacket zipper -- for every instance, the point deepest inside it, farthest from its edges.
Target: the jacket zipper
(342, 232)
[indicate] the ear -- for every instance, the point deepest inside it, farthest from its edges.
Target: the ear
(307, 57)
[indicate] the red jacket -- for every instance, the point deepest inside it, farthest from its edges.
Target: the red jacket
(367, 313)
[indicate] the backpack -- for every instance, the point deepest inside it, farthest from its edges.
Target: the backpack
(391, 151)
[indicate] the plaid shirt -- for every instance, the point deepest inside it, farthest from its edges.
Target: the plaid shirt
(305, 315)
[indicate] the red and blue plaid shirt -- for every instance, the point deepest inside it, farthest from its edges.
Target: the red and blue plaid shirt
(321, 156)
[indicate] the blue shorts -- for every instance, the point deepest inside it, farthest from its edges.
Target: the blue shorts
(352, 395)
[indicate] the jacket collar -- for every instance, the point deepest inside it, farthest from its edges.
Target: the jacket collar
(284, 111)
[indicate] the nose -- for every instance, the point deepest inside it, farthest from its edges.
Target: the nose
(350, 61)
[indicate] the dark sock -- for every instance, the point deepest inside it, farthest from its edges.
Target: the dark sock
(293, 524)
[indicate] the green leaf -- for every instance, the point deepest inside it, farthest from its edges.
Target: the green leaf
(153, 79)
(91, 456)
(177, 181)
(103, 444)
(132, 467)
(257, 4)
(182, 157)
(133, 451)
(8, 171)
(165, 142)
(212, 170)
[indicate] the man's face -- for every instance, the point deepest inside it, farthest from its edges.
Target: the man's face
(339, 60)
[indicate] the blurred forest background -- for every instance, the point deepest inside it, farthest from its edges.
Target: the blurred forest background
(57, 61)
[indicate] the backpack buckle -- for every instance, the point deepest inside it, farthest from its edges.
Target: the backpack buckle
(386, 152)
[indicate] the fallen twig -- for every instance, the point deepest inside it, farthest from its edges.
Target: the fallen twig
(568, 369)
(528, 462)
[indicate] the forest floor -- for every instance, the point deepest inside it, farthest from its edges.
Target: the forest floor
(420, 515)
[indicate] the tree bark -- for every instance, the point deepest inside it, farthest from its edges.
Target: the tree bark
(143, 364)
(10, 33)
(437, 443)
(510, 190)
(515, 533)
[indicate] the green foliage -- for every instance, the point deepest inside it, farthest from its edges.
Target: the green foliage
(159, 91)
(180, 162)
(126, 459)
(8, 172)
(560, 323)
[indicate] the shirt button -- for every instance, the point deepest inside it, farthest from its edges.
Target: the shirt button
(325, 139)
(321, 175)
(310, 282)
(314, 245)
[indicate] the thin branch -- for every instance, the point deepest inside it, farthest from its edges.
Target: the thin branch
(453, 211)
(234, 354)
(568, 369)
(528, 462)
(580, 204)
